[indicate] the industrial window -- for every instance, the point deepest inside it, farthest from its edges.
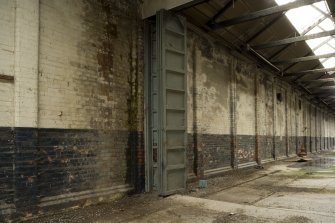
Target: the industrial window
(304, 17)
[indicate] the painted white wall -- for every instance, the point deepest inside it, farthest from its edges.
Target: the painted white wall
(19, 25)
(7, 24)
(26, 55)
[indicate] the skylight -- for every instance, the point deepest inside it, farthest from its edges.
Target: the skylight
(305, 19)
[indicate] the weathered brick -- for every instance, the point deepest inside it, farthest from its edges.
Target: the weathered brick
(236, 108)
(72, 121)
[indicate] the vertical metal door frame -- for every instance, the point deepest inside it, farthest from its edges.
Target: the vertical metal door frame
(159, 26)
(147, 87)
(162, 19)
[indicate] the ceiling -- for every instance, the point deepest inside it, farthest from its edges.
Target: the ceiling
(260, 30)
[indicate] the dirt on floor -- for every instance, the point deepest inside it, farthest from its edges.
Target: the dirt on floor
(241, 218)
(284, 191)
(122, 210)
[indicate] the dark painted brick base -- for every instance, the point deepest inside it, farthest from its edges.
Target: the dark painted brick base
(6, 169)
(135, 161)
(191, 154)
(280, 146)
(312, 144)
(51, 162)
(292, 145)
(207, 152)
(265, 145)
(211, 151)
(245, 147)
(68, 157)
(216, 151)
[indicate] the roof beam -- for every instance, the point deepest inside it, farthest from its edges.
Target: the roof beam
(321, 80)
(316, 71)
(316, 24)
(262, 13)
(324, 13)
(188, 5)
(323, 91)
(331, 76)
(326, 94)
(294, 39)
(316, 81)
(268, 25)
(150, 7)
(323, 88)
(221, 11)
(331, 5)
(311, 52)
(330, 102)
(306, 77)
(303, 59)
(303, 33)
(329, 98)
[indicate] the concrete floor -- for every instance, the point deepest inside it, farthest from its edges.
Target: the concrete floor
(284, 191)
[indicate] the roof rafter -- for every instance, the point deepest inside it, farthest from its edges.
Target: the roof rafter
(294, 39)
(315, 71)
(325, 95)
(262, 13)
(330, 98)
(319, 80)
(220, 12)
(316, 77)
(324, 92)
(311, 52)
(303, 33)
(323, 88)
(303, 59)
(319, 84)
(268, 25)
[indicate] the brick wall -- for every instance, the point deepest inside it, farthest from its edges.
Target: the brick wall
(71, 106)
(208, 106)
(264, 108)
(71, 103)
(6, 171)
(245, 112)
(7, 41)
(313, 130)
(280, 121)
(318, 130)
(240, 115)
(292, 122)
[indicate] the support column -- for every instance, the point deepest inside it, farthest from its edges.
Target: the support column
(26, 63)
(234, 160)
(286, 123)
(296, 123)
(198, 145)
(258, 117)
(26, 55)
(274, 103)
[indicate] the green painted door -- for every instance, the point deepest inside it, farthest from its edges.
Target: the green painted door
(171, 72)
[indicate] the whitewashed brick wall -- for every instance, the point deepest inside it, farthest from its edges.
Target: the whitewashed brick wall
(7, 27)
